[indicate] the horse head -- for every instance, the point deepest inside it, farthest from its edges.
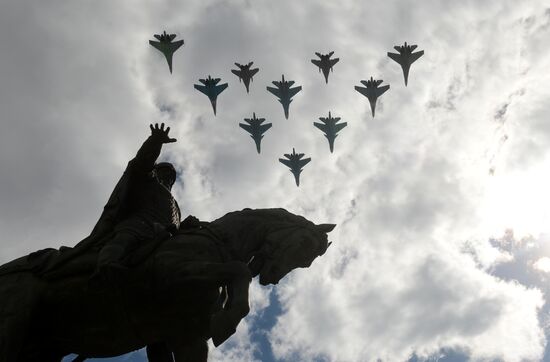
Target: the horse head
(289, 245)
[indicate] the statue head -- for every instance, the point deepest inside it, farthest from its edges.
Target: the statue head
(289, 248)
(165, 174)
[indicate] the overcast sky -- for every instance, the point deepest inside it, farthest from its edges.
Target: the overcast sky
(442, 249)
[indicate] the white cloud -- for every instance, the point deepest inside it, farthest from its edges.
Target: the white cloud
(543, 264)
(407, 188)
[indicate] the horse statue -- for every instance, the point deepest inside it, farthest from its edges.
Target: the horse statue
(190, 287)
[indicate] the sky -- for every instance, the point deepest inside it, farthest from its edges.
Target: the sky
(442, 245)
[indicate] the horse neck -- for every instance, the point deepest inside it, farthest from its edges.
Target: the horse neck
(244, 233)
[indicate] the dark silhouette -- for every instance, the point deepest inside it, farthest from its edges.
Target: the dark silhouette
(166, 288)
(166, 46)
(244, 73)
(372, 91)
(211, 89)
(405, 58)
(295, 162)
(256, 129)
(141, 207)
(330, 127)
(284, 92)
(169, 300)
(325, 64)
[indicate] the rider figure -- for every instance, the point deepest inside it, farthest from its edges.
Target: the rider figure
(145, 206)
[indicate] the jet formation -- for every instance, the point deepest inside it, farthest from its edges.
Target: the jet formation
(330, 127)
(295, 162)
(245, 74)
(211, 89)
(256, 129)
(405, 58)
(166, 46)
(284, 92)
(372, 91)
(325, 64)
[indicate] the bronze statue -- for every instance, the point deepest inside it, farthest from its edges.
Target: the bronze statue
(141, 208)
(168, 289)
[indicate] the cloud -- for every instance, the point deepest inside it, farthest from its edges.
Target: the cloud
(406, 188)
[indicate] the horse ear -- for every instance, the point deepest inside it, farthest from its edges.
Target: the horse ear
(325, 228)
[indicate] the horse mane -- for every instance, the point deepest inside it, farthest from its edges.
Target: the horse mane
(276, 216)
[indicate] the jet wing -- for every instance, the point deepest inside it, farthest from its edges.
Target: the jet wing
(292, 91)
(338, 127)
(316, 62)
(166, 46)
(275, 91)
(220, 88)
(363, 91)
(201, 88)
(156, 44)
(395, 56)
(253, 71)
(334, 61)
(303, 162)
(286, 162)
(265, 127)
(238, 73)
(380, 90)
(415, 56)
(246, 127)
(323, 127)
(175, 45)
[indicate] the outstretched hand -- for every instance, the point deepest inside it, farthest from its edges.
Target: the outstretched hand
(160, 133)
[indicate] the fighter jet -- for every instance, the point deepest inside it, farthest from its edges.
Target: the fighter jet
(372, 92)
(166, 46)
(211, 89)
(331, 127)
(295, 163)
(284, 92)
(245, 73)
(255, 128)
(405, 57)
(325, 63)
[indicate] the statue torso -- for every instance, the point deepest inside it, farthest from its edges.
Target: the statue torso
(149, 202)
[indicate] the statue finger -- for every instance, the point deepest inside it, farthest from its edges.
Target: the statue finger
(171, 140)
(167, 130)
(156, 126)
(151, 127)
(162, 126)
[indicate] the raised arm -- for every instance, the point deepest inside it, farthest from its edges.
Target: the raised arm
(150, 150)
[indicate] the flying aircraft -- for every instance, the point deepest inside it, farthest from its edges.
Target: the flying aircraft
(325, 63)
(331, 127)
(245, 73)
(166, 46)
(284, 92)
(255, 128)
(372, 91)
(405, 57)
(211, 89)
(295, 163)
